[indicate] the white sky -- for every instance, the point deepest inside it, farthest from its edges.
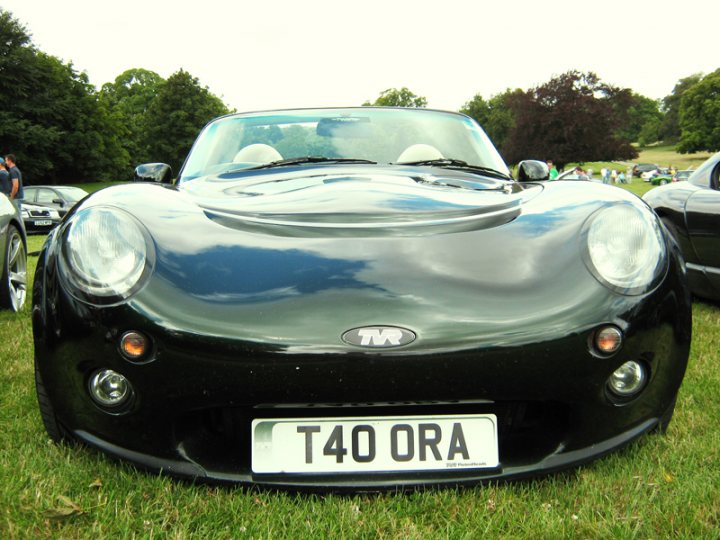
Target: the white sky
(270, 54)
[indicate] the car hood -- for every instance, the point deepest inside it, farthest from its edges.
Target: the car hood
(296, 269)
(357, 200)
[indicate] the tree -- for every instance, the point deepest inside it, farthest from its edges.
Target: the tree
(49, 114)
(670, 129)
(700, 116)
(650, 132)
(180, 109)
(496, 116)
(392, 97)
(127, 101)
(634, 112)
(571, 118)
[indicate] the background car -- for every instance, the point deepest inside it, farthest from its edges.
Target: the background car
(682, 175)
(61, 198)
(691, 212)
(358, 298)
(39, 219)
(660, 179)
(13, 249)
(639, 169)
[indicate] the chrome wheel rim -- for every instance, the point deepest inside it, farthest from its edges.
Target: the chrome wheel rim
(17, 271)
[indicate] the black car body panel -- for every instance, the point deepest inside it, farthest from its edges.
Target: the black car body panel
(691, 212)
(259, 280)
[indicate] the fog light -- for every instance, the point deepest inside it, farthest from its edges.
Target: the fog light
(133, 345)
(608, 340)
(628, 379)
(109, 388)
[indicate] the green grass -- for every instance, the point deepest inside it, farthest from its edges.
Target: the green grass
(659, 487)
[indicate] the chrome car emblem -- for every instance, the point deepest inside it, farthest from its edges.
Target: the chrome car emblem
(379, 337)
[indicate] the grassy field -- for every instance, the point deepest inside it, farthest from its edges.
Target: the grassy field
(658, 487)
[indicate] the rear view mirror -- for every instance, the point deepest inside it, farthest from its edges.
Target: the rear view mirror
(153, 172)
(532, 170)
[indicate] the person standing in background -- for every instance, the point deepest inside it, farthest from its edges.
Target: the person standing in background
(553, 170)
(16, 184)
(5, 185)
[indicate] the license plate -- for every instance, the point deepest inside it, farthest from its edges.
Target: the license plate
(42, 222)
(369, 444)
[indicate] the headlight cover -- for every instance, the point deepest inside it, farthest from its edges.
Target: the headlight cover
(106, 255)
(625, 249)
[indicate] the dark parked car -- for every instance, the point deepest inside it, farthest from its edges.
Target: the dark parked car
(355, 299)
(13, 249)
(39, 219)
(640, 168)
(61, 198)
(691, 212)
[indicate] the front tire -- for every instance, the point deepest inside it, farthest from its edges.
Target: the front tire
(56, 432)
(13, 285)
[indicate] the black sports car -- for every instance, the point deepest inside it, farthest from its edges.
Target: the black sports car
(691, 212)
(13, 249)
(354, 299)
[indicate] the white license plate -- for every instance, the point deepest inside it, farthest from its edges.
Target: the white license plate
(42, 222)
(368, 444)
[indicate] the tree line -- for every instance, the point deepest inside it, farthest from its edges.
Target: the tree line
(576, 118)
(64, 130)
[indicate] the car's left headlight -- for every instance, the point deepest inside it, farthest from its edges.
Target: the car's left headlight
(106, 255)
(625, 248)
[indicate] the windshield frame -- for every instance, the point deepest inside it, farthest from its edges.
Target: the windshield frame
(455, 134)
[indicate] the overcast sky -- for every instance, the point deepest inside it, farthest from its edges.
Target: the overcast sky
(305, 53)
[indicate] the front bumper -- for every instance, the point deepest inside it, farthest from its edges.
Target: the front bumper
(195, 400)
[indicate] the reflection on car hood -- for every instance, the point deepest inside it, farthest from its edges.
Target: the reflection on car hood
(350, 200)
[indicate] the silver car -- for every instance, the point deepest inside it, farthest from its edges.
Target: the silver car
(13, 248)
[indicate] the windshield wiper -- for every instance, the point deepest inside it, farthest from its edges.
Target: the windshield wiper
(303, 160)
(458, 164)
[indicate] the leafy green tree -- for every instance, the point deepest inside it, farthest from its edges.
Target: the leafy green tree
(49, 114)
(700, 116)
(650, 132)
(496, 116)
(393, 97)
(175, 116)
(670, 129)
(634, 111)
(127, 101)
(571, 118)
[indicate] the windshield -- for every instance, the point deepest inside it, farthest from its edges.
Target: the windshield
(245, 141)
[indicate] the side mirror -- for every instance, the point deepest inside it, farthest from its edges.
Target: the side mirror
(532, 170)
(153, 172)
(59, 201)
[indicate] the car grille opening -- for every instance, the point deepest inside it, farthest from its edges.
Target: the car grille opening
(219, 439)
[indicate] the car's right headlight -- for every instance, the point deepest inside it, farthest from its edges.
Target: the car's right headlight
(625, 248)
(106, 255)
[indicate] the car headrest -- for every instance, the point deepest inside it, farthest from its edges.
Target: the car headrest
(257, 153)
